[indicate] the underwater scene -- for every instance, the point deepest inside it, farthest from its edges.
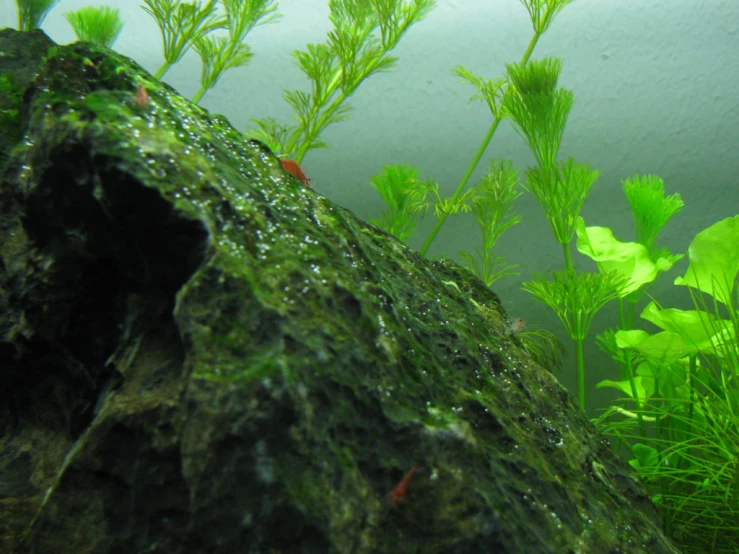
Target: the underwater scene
(369, 276)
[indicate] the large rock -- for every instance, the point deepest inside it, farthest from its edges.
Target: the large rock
(201, 355)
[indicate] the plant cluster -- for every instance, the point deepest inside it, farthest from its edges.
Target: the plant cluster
(683, 426)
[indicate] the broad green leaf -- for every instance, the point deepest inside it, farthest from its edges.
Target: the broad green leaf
(665, 347)
(630, 339)
(629, 259)
(646, 456)
(714, 260)
(644, 387)
(698, 328)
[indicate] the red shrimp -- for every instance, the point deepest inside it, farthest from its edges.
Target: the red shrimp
(398, 492)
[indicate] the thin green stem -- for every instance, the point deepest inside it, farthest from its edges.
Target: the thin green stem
(475, 160)
(162, 70)
(580, 372)
(198, 95)
(568, 257)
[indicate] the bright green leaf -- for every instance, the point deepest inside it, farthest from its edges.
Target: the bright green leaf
(714, 260)
(629, 259)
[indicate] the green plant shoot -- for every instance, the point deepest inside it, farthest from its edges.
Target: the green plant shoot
(31, 13)
(101, 25)
(181, 25)
(352, 53)
(219, 54)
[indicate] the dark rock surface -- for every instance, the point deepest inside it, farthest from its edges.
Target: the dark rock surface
(200, 355)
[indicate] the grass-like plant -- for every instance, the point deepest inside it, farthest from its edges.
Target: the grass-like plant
(101, 25)
(358, 46)
(31, 13)
(687, 382)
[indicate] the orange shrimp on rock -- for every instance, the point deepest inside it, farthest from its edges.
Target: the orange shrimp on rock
(295, 170)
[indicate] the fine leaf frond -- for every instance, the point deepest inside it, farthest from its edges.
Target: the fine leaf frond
(575, 297)
(650, 207)
(404, 195)
(31, 13)
(488, 90)
(101, 25)
(543, 12)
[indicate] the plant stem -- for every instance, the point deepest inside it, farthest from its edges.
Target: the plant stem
(162, 70)
(580, 373)
(480, 151)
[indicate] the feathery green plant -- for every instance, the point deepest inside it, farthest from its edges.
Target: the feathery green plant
(576, 298)
(404, 195)
(181, 25)
(538, 108)
(31, 13)
(491, 202)
(101, 25)
(221, 53)
(494, 92)
(336, 68)
(651, 209)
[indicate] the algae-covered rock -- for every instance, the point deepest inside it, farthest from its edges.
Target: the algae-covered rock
(201, 355)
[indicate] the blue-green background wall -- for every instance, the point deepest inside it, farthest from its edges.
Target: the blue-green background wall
(657, 91)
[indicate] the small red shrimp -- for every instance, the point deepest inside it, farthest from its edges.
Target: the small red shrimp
(398, 492)
(295, 170)
(142, 96)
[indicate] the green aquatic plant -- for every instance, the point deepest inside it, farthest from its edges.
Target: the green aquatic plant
(219, 54)
(687, 383)
(494, 92)
(651, 209)
(538, 107)
(31, 13)
(181, 25)
(539, 110)
(404, 195)
(576, 298)
(101, 25)
(353, 52)
(491, 202)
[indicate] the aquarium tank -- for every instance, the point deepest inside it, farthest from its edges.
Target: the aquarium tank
(579, 156)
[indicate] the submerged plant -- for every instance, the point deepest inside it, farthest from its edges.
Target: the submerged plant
(576, 298)
(181, 25)
(219, 54)
(687, 383)
(31, 13)
(353, 52)
(494, 93)
(101, 25)
(404, 195)
(491, 202)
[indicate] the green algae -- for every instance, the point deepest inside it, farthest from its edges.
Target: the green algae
(332, 355)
